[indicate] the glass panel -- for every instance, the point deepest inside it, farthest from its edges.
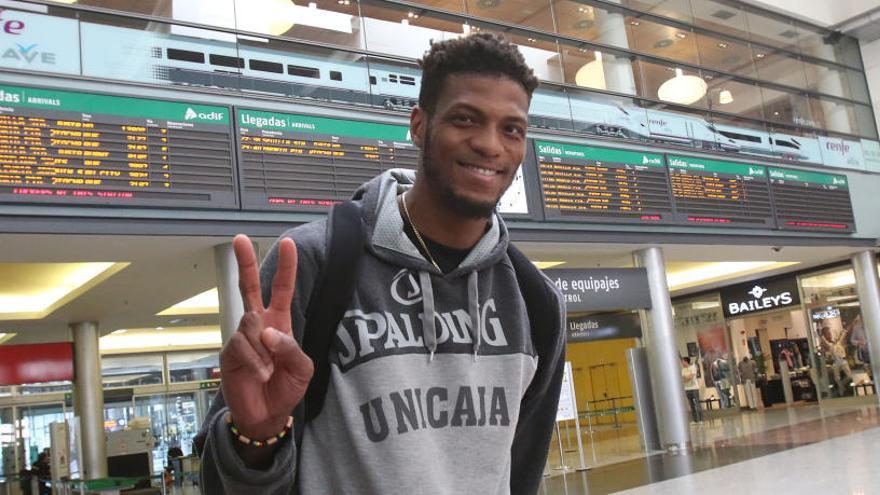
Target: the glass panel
(450, 5)
(780, 68)
(851, 52)
(550, 108)
(399, 31)
(726, 55)
(681, 126)
(541, 54)
(8, 441)
(673, 9)
(838, 333)
(325, 21)
(732, 96)
(772, 30)
(164, 8)
(865, 121)
(174, 421)
(785, 107)
(819, 43)
(157, 53)
(742, 136)
(682, 86)
(800, 145)
(609, 116)
(193, 366)
(127, 371)
(58, 49)
(858, 86)
(828, 79)
(593, 69)
(835, 116)
(394, 85)
(35, 421)
(703, 338)
(293, 69)
(661, 40)
(720, 17)
(527, 13)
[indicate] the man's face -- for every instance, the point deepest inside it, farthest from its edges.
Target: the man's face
(473, 142)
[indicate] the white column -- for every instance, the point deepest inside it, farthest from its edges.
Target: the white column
(231, 304)
(89, 399)
(868, 286)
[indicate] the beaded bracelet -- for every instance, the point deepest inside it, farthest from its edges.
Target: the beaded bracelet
(258, 443)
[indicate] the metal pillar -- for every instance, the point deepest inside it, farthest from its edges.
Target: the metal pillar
(660, 343)
(89, 399)
(868, 286)
(231, 304)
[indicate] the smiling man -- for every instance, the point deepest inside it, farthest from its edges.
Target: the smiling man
(444, 370)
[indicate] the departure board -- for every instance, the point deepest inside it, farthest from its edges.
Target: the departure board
(811, 201)
(583, 183)
(720, 193)
(307, 163)
(62, 147)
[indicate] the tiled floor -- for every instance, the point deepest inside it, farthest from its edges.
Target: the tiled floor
(747, 453)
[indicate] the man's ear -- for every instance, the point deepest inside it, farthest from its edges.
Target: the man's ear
(418, 125)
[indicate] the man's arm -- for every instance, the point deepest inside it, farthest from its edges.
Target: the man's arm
(537, 416)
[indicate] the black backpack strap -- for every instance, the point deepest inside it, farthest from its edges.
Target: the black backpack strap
(331, 298)
(542, 308)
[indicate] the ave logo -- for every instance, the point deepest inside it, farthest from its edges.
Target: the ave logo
(192, 114)
(28, 54)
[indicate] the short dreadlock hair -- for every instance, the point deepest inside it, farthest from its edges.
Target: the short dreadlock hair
(481, 53)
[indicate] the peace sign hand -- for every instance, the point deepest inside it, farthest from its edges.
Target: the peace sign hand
(264, 372)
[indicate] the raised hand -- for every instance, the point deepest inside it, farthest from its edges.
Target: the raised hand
(264, 371)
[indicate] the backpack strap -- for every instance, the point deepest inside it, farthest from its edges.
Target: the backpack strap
(543, 311)
(331, 298)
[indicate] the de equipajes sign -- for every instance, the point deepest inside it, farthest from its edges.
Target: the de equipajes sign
(598, 289)
(760, 295)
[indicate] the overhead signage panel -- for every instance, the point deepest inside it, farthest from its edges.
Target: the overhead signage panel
(811, 201)
(584, 183)
(760, 295)
(63, 147)
(720, 193)
(603, 327)
(598, 289)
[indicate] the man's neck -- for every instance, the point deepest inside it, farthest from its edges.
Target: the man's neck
(436, 221)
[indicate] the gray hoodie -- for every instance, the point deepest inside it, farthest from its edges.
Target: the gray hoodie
(414, 404)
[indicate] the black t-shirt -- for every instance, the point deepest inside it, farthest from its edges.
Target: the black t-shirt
(447, 258)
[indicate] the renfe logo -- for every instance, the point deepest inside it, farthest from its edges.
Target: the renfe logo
(13, 27)
(759, 302)
(840, 147)
(192, 114)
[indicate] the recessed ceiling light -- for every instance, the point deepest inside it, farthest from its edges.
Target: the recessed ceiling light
(722, 45)
(776, 113)
(680, 36)
(160, 328)
(532, 40)
(343, 2)
(205, 303)
(760, 55)
(635, 23)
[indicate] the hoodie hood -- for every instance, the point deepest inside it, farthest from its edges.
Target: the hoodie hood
(387, 240)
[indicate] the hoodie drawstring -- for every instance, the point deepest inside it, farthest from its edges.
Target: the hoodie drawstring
(429, 323)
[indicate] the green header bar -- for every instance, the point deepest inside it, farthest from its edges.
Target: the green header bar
(599, 154)
(705, 165)
(255, 119)
(67, 101)
(812, 177)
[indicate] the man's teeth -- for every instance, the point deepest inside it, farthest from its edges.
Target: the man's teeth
(481, 171)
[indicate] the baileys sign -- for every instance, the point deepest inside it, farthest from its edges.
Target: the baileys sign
(760, 295)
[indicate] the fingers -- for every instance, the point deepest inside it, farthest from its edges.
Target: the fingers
(288, 355)
(239, 355)
(252, 327)
(284, 282)
(248, 273)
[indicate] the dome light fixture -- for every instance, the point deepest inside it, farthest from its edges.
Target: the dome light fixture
(725, 97)
(682, 89)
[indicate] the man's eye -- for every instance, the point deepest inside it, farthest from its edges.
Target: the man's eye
(515, 130)
(462, 119)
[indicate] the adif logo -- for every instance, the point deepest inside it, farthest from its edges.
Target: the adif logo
(838, 182)
(405, 289)
(756, 171)
(647, 161)
(757, 291)
(192, 114)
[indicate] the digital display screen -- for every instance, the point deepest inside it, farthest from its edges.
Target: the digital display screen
(811, 201)
(62, 147)
(308, 163)
(717, 193)
(584, 183)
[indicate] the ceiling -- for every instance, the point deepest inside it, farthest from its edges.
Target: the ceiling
(164, 270)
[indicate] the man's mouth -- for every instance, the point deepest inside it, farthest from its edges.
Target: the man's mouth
(480, 170)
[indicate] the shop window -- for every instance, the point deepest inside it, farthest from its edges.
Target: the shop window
(131, 370)
(838, 334)
(193, 366)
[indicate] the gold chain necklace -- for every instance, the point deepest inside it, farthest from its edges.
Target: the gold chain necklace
(418, 235)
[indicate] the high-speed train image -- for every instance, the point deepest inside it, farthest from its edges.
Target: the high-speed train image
(164, 58)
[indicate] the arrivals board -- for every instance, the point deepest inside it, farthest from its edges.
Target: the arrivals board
(307, 163)
(717, 193)
(811, 201)
(584, 183)
(64, 147)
